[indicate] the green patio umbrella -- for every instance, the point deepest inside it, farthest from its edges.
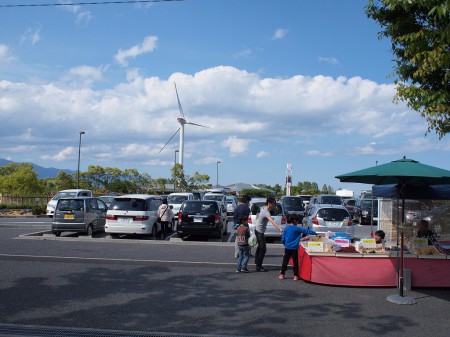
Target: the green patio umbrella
(405, 172)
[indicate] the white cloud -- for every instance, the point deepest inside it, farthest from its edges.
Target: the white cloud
(262, 154)
(82, 17)
(135, 118)
(236, 146)
(85, 74)
(5, 54)
(148, 45)
(32, 35)
(61, 155)
(279, 34)
(331, 60)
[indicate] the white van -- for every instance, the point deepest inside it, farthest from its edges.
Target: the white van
(65, 194)
(221, 199)
(176, 199)
(133, 214)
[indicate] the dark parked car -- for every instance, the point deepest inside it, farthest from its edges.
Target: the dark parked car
(293, 205)
(80, 215)
(350, 205)
(363, 211)
(201, 217)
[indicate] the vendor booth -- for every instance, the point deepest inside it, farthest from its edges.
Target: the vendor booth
(333, 261)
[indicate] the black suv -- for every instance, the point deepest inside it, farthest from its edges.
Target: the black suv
(201, 217)
(363, 211)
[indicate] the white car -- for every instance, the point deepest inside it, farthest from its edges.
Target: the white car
(133, 214)
(277, 214)
(65, 194)
(231, 205)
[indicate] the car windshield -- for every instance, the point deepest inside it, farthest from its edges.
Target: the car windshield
(213, 197)
(176, 199)
(129, 204)
(200, 207)
(366, 203)
(70, 205)
(64, 195)
(350, 202)
(293, 204)
(331, 200)
(257, 206)
(332, 214)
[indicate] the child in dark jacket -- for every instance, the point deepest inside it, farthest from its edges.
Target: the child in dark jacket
(290, 239)
(242, 235)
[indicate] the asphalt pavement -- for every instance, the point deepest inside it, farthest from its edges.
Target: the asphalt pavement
(130, 287)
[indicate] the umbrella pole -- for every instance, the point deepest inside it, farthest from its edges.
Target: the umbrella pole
(401, 278)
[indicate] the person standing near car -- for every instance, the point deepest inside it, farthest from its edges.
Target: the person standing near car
(260, 228)
(242, 210)
(242, 235)
(166, 215)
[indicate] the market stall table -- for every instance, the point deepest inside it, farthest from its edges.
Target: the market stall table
(372, 270)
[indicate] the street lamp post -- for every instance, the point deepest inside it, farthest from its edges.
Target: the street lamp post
(174, 176)
(79, 154)
(217, 182)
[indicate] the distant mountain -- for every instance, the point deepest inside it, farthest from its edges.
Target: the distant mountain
(42, 172)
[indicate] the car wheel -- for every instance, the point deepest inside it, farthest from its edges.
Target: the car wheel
(57, 233)
(89, 230)
(113, 235)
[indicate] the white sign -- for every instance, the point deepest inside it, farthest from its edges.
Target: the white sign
(314, 246)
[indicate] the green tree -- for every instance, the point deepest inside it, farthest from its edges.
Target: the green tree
(20, 180)
(64, 181)
(179, 178)
(420, 40)
(198, 181)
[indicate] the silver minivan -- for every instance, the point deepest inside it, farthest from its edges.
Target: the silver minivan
(80, 215)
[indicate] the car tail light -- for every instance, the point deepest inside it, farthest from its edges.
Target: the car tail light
(350, 222)
(217, 218)
(283, 220)
(111, 217)
(249, 219)
(315, 221)
(179, 217)
(141, 218)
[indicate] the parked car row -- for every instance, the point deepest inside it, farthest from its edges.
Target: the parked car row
(127, 214)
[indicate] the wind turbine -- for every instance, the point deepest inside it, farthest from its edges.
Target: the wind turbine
(182, 120)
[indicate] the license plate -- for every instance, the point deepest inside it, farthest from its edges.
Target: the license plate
(334, 224)
(198, 220)
(68, 216)
(125, 220)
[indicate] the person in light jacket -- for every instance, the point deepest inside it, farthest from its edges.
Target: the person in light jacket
(166, 215)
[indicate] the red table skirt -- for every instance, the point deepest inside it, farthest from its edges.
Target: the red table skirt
(372, 271)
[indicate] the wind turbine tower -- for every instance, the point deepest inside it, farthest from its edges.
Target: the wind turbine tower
(182, 120)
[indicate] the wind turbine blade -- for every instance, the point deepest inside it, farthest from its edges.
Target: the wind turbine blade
(170, 139)
(203, 126)
(178, 98)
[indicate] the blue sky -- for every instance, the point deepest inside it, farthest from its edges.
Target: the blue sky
(276, 82)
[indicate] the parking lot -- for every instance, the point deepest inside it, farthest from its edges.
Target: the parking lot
(129, 287)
